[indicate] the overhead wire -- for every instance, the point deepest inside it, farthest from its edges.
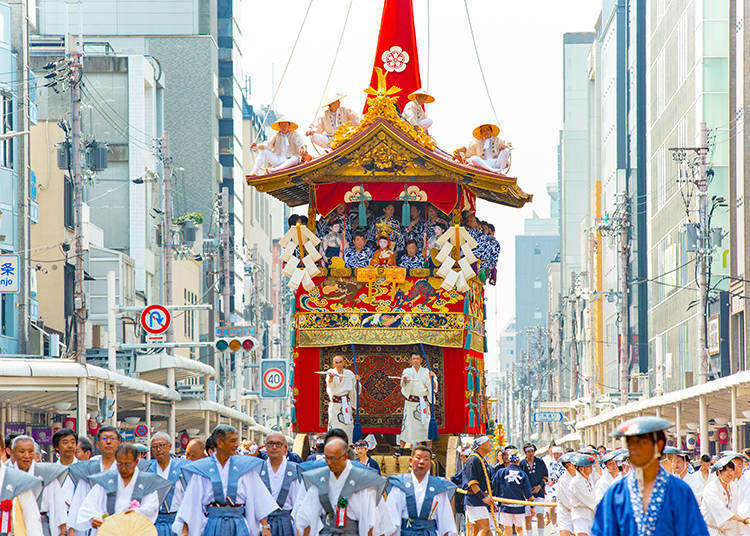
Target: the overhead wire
(283, 74)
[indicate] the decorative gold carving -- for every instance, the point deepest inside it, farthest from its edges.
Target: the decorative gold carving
(381, 106)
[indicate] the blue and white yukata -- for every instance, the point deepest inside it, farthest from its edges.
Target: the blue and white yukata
(417, 261)
(224, 501)
(672, 509)
(421, 508)
(512, 483)
(357, 259)
(168, 508)
(285, 486)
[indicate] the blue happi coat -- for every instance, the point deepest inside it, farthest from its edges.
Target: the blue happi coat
(419, 523)
(672, 509)
(223, 518)
(165, 518)
(281, 520)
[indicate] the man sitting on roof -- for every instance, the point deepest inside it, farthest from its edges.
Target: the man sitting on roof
(321, 132)
(414, 110)
(285, 149)
(488, 151)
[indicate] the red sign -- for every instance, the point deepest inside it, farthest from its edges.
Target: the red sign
(273, 379)
(141, 430)
(155, 319)
(184, 440)
(93, 427)
(722, 436)
(69, 422)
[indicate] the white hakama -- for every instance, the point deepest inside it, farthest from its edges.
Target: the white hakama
(416, 413)
(340, 413)
(250, 491)
(362, 507)
(95, 504)
(441, 509)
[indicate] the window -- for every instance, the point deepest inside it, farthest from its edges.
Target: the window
(537, 283)
(6, 125)
(538, 314)
(68, 207)
(537, 250)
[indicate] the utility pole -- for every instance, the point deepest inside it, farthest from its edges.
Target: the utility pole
(225, 291)
(687, 174)
(162, 152)
(76, 150)
(573, 343)
(704, 252)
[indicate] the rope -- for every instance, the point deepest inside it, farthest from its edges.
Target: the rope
(283, 74)
(481, 69)
(429, 48)
(514, 501)
(333, 63)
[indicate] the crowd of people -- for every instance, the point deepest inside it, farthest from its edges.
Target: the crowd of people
(382, 239)
(287, 148)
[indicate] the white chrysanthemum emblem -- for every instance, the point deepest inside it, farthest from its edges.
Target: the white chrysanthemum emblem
(395, 59)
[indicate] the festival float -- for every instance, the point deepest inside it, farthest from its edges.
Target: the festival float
(376, 315)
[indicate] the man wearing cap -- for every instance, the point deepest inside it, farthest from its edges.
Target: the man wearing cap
(511, 482)
(536, 470)
(418, 385)
(719, 504)
(488, 151)
(612, 473)
(648, 500)
(564, 521)
(414, 110)
(285, 149)
(420, 504)
(479, 504)
(334, 115)
(581, 494)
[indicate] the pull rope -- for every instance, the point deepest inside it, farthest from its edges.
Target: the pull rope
(481, 69)
(283, 74)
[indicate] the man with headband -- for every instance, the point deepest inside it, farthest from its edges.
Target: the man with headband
(477, 474)
(648, 501)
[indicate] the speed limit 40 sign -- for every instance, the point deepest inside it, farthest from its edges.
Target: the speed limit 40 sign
(273, 378)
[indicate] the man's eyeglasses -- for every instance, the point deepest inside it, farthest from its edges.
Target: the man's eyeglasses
(277, 444)
(109, 439)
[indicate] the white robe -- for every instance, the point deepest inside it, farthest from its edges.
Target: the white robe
(250, 491)
(347, 387)
(697, 483)
(277, 480)
(362, 506)
(603, 484)
(95, 505)
(31, 516)
(414, 114)
(79, 496)
(718, 507)
(581, 496)
(413, 430)
(179, 488)
(443, 513)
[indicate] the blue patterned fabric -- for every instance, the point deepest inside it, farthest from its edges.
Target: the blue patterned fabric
(672, 511)
(416, 233)
(164, 524)
(411, 262)
(354, 259)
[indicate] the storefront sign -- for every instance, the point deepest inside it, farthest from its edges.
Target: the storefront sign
(42, 434)
(15, 428)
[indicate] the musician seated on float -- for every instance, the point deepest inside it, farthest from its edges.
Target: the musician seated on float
(359, 254)
(334, 115)
(411, 259)
(285, 149)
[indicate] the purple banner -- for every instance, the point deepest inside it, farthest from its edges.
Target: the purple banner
(15, 428)
(42, 434)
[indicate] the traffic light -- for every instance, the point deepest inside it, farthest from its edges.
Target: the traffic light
(234, 344)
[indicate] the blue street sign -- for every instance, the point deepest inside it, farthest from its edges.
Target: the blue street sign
(273, 378)
(10, 266)
(548, 416)
(127, 435)
(224, 332)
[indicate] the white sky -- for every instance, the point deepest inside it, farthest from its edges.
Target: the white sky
(520, 44)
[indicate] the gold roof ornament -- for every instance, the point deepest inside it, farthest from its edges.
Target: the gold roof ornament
(382, 105)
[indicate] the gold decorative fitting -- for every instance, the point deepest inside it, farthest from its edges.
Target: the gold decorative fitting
(381, 106)
(384, 228)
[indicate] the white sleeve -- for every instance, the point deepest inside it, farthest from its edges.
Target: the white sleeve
(586, 497)
(295, 490)
(82, 489)
(395, 503)
(149, 506)
(363, 504)
(55, 499)
(190, 512)
(179, 492)
(93, 506)
(31, 516)
(308, 512)
(599, 490)
(263, 501)
(715, 506)
(446, 521)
